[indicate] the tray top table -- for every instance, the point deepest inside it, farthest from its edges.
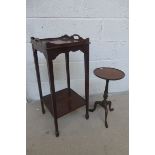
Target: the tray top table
(66, 100)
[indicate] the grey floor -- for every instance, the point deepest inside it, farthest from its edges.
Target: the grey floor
(79, 136)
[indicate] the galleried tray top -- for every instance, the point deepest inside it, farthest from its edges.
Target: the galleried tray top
(60, 42)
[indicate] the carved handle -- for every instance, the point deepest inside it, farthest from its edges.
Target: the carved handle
(76, 35)
(36, 39)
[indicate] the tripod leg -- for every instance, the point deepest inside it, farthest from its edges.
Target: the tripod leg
(95, 105)
(110, 103)
(106, 114)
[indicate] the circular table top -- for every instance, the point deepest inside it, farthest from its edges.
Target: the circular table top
(108, 73)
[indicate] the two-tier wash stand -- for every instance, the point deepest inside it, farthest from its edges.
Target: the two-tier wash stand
(64, 101)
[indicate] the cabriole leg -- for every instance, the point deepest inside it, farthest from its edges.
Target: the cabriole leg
(106, 114)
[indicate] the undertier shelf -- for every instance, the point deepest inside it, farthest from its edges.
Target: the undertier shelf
(65, 102)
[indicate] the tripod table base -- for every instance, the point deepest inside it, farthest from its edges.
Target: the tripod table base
(104, 104)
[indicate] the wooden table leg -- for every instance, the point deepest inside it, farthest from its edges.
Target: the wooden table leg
(86, 62)
(95, 105)
(106, 114)
(52, 90)
(38, 79)
(67, 70)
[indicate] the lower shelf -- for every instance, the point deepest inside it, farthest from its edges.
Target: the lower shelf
(65, 102)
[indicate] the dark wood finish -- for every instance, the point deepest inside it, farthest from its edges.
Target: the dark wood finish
(52, 90)
(50, 46)
(86, 57)
(108, 74)
(67, 71)
(64, 101)
(38, 79)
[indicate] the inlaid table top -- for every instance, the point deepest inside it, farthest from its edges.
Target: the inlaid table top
(108, 73)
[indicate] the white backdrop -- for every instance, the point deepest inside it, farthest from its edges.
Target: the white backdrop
(105, 22)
